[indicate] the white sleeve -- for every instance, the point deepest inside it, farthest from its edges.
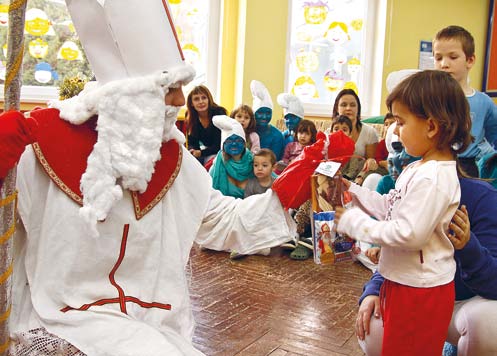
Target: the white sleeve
(413, 222)
(245, 225)
(371, 202)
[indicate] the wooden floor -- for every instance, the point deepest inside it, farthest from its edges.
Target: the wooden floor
(274, 305)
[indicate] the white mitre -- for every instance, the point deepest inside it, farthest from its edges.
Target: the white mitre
(135, 55)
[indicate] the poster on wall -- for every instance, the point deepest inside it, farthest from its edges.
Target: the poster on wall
(490, 68)
(325, 49)
(425, 55)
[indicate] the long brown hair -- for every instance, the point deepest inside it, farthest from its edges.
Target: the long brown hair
(191, 115)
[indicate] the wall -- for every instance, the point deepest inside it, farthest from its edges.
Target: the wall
(407, 24)
(263, 45)
(264, 49)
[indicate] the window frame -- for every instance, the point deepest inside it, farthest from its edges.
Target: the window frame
(372, 68)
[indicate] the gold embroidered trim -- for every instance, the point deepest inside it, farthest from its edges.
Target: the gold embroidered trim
(6, 274)
(5, 346)
(139, 213)
(54, 177)
(6, 314)
(9, 199)
(8, 234)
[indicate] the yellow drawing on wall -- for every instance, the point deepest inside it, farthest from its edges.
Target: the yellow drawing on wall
(305, 88)
(357, 24)
(307, 61)
(338, 33)
(38, 48)
(333, 81)
(69, 51)
(191, 53)
(315, 12)
(4, 15)
(37, 23)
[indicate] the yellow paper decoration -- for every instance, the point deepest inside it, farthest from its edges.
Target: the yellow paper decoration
(37, 23)
(307, 61)
(38, 48)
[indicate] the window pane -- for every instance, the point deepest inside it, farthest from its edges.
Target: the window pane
(51, 47)
(326, 51)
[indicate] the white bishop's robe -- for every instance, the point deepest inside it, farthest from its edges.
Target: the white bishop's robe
(125, 280)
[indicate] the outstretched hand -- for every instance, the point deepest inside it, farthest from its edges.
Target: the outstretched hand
(460, 228)
(370, 306)
(15, 133)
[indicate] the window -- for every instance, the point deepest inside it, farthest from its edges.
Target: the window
(52, 49)
(332, 46)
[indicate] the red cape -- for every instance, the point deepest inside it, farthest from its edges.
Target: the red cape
(63, 149)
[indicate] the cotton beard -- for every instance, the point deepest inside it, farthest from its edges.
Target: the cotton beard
(133, 121)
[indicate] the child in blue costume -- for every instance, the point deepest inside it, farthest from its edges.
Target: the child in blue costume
(233, 165)
(293, 112)
(487, 166)
(454, 52)
(269, 135)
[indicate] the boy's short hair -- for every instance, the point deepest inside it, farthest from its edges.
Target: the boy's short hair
(388, 115)
(341, 119)
(266, 152)
(460, 34)
(435, 94)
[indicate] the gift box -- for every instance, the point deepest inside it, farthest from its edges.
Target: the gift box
(329, 246)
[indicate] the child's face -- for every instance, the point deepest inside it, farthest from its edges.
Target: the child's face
(304, 138)
(341, 127)
(449, 57)
(243, 118)
(262, 167)
(412, 131)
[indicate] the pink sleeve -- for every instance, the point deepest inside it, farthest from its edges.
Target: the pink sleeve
(256, 143)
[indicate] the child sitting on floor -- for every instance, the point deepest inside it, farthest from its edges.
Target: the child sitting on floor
(264, 161)
(232, 166)
(245, 116)
(305, 135)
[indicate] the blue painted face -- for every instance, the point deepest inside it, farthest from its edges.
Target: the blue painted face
(234, 145)
(291, 121)
(263, 116)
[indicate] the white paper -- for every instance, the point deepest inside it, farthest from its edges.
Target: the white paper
(328, 168)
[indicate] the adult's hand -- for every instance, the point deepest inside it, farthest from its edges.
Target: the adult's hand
(460, 228)
(16, 132)
(196, 153)
(373, 253)
(369, 307)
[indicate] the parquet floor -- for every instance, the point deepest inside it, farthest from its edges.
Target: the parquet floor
(272, 305)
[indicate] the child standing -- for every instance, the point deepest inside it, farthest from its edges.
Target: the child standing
(245, 116)
(232, 166)
(264, 161)
(454, 53)
(417, 261)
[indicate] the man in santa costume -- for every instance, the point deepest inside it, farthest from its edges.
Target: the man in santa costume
(110, 201)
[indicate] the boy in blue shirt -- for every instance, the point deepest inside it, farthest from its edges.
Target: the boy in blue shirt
(454, 53)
